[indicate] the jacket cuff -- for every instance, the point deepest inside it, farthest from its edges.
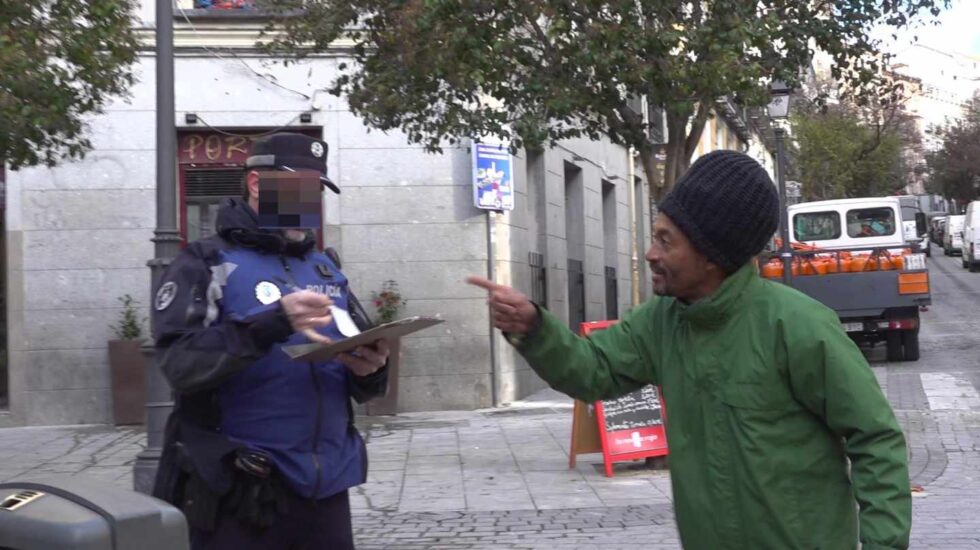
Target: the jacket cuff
(270, 327)
(517, 340)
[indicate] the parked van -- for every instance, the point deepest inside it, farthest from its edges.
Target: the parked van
(953, 235)
(971, 236)
(914, 232)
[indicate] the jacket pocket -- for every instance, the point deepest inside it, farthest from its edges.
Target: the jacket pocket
(757, 396)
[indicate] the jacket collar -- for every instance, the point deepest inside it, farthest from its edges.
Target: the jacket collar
(238, 223)
(716, 309)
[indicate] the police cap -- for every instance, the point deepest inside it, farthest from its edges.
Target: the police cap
(291, 151)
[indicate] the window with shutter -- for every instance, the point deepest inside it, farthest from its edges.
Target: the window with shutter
(203, 190)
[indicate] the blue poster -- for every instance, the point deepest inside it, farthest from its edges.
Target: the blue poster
(493, 180)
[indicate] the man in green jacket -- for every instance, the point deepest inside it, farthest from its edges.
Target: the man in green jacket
(780, 437)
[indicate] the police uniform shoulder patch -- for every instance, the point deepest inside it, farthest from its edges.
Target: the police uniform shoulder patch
(165, 296)
(267, 293)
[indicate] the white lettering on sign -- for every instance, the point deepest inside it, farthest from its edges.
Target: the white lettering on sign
(330, 290)
(636, 439)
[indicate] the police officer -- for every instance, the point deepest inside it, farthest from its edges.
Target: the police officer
(261, 450)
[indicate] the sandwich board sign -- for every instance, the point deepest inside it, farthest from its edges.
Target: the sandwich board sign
(629, 427)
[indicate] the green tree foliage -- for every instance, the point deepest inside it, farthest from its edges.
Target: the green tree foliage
(955, 167)
(846, 150)
(60, 61)
(535, 71)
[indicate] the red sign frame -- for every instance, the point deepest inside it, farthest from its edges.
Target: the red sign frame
(626, 445)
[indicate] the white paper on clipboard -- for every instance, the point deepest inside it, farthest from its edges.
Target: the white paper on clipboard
(389, 331)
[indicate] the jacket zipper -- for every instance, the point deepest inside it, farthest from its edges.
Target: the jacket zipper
(317, 468)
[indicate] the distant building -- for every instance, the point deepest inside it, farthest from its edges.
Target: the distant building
(938, 85)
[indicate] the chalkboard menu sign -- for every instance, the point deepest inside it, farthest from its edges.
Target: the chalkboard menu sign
(631, 427)
(640, 409)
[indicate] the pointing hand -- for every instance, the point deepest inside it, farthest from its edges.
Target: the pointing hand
(512, 311)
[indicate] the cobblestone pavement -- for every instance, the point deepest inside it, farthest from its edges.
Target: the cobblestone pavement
(500, 479)
(483, 480)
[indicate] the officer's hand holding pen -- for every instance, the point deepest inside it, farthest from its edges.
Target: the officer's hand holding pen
(308, 311)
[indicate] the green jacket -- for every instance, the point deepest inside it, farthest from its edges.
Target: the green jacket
(766, 399)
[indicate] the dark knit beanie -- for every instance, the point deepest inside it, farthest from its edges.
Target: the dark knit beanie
(727, 205)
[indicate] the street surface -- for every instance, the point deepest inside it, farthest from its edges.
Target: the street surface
(500, 479)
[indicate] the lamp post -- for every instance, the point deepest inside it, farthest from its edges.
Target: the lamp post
(166, 241)
(778, 112)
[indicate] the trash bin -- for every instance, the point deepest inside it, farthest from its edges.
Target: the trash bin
(61, 513)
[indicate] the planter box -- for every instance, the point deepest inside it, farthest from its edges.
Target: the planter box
(126, 366)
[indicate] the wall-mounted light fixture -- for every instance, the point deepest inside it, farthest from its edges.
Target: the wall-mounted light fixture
(190, 118)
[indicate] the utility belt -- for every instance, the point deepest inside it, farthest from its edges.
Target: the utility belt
(257, 497)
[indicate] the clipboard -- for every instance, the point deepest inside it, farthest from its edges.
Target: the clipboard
(317, 352)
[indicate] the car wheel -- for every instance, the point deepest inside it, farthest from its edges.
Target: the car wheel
(893, 345)
(945, 251)
(910, 344)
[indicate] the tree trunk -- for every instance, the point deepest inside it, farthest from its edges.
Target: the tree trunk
(681, 144)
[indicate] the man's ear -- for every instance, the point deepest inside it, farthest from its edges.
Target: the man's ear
(252, 184)
(711, 267)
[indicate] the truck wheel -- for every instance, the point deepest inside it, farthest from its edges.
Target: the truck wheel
(910, 343)
(893, 345)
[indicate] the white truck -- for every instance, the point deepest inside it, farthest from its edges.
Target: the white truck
(852, 255)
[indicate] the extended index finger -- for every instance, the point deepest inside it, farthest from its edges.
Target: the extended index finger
(485, 283)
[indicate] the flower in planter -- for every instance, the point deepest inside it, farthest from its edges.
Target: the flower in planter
(388, 301)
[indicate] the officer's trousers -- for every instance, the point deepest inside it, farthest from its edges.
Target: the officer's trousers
(309, 525)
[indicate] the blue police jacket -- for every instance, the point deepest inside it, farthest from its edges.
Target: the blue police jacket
(221, 331)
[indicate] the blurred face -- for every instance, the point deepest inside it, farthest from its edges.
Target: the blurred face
(679, 270)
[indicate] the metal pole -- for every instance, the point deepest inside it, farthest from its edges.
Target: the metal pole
(634, 245)
(492, 275)
(166, 239)
(785, 252)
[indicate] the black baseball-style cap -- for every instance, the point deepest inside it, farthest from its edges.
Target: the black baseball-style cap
(291, 152)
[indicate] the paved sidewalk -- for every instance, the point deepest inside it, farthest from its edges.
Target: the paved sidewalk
(499, 478)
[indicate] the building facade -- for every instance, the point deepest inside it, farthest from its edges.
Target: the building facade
(78, 235)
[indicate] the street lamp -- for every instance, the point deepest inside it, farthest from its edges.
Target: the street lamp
(778, 112)
(166, 240)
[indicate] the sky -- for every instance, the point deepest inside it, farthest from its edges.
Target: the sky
(958, 31)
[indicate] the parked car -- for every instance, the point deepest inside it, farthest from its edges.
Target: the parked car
(971, 237)
(953, 238)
